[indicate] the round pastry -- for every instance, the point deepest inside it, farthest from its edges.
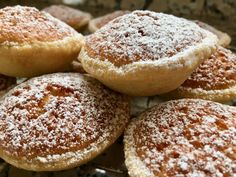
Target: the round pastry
(73, 17)
(188, 137)
(144, 53)
(59, 121)
(99, 22)
(214, 79)
(224, 38)
(34, 42)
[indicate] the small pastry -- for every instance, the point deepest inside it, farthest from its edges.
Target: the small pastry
(59, 121)
(35, 43)
(145, 53)
(73, 17)
(188, 137)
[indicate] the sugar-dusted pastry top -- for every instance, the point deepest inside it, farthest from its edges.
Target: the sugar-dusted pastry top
(20, 24)
(188, 137)
(143, 36)
(57, 114)
(218, 72)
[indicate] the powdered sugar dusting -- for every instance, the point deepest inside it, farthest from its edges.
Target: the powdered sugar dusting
(53, 115)
(188, 138)
(21, 24)
(142, 36)
(218, 72)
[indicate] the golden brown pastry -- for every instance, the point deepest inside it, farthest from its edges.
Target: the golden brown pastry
(214, 79)
(224, 38)
(99, 22)
(73, 17)
(34, 42)
(59, 121)
(146, 53)
(188, 137)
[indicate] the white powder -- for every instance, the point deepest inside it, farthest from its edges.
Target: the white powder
(58, 114)
(144, 35)
(187, 137)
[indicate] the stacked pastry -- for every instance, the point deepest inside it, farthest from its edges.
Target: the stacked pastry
(61, 120)
(146, 53)
(214, 79)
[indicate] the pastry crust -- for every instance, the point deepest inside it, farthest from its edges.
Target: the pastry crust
(34, 43)
(39, 58)
(224, 38)
(59, 121)
(222, 96)
(99, 22)
(73, 17)
(188, 137)
(130, 68)
(214, 80)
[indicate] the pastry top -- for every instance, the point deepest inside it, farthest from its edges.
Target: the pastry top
(187, 137)
(217, 72)
(57, 114)
(143, 36)
(20, 24)
(71, 16)
(101, 21)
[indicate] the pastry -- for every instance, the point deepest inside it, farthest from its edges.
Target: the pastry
(214, 79)
(99, 22)
(145, 53)
(188, 137)
(73, 17)
(224, 38)
(34, 42)
(59, 121)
